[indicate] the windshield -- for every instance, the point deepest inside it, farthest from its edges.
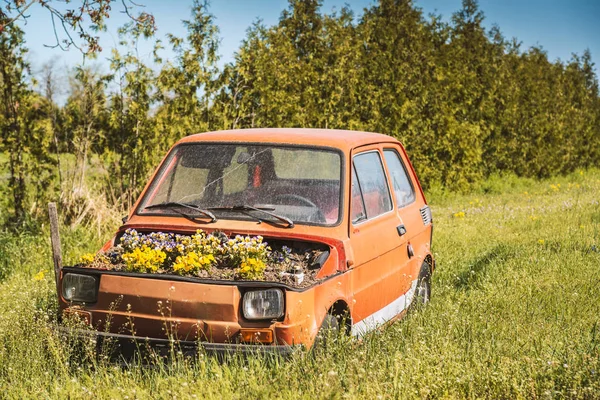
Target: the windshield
(237, 181)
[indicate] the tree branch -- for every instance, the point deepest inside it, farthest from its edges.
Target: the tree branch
(19, 15)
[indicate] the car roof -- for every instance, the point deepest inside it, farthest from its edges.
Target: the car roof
(341, 139)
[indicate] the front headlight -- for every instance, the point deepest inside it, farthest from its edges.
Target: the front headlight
(263, 304)
(80, 288)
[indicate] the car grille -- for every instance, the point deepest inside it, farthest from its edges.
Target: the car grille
(426, 215)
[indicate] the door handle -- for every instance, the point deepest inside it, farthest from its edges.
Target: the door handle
(401, 230)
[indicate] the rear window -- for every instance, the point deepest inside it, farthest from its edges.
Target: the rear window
(403, 189)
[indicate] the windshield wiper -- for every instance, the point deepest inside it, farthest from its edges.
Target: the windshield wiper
(169, 204)
(264, 210)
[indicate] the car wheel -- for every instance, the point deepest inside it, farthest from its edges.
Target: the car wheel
(423, 289)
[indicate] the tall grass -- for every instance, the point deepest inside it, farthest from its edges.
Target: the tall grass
(515, 313)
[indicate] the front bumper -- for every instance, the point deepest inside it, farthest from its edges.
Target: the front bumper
(119, 347)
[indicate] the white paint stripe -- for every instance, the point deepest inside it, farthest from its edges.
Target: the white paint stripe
(386, 313)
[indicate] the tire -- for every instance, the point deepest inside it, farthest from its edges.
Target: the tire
(423, 289)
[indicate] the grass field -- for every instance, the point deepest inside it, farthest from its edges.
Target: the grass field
(515, 313)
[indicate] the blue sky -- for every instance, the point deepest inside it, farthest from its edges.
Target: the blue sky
(560, 27)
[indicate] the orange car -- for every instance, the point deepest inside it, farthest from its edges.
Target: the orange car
(353, 196)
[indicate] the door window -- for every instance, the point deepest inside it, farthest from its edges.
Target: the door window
(372, 183)
(403, 189)
(358, 207)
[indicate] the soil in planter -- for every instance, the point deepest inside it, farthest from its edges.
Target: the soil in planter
(303, 258)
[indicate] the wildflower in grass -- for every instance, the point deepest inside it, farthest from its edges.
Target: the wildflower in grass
(542, 241)
(533, 217)
(40, 275)
(460, 214)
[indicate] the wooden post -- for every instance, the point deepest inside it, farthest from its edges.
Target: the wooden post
(55, 239)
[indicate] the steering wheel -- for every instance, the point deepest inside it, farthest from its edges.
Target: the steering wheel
(320, 217)
(296, 198)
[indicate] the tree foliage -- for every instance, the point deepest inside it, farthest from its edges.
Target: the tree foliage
(464, 100)
(24, 128)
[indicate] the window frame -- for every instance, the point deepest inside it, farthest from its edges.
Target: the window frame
(387, 184)
(354, 175)
(410, 179)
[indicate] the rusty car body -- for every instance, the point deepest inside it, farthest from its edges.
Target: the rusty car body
(354, 194)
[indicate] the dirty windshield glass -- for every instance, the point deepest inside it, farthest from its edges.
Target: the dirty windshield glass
(243, 181)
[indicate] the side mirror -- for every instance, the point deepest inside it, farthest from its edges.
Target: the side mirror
(125, 218)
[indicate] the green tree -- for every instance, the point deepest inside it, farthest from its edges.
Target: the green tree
(131, 140)
(13, 86)
(25, 128)
(85, 121)
(186, 87)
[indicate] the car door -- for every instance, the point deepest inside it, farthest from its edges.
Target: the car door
(379, 276)
(407, 208)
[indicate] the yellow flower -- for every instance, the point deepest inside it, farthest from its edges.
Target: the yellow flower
(252, 268)
(206, 260)
(192, 261)
(144, 259)
(541, 241)
(460, 214)
(40, 275)
(87, 258)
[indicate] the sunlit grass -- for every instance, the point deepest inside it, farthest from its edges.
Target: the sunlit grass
(514, 314)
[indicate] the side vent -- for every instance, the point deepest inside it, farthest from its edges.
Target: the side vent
(426, 215)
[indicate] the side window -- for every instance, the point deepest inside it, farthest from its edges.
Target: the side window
(372, 183)
(403, 189)
(358, 207)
